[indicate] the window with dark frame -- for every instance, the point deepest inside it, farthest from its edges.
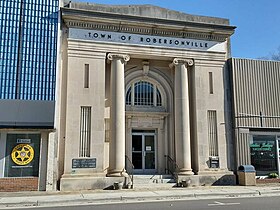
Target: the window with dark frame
(85, 131)
(143, 93)
(86, 76)
(211, 91)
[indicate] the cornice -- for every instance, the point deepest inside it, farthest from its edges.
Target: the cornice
(74, 18)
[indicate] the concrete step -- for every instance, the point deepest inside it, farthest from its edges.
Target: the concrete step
(153, 179)
(154, 186)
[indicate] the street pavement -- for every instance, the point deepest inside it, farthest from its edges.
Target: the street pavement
(43, 199)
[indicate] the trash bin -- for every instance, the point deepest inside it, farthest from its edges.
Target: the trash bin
(246, 175)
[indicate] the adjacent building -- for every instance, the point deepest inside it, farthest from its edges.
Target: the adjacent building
(28, 42)
(255, 100)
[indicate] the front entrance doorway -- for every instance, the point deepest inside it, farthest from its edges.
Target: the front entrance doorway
(144, 152)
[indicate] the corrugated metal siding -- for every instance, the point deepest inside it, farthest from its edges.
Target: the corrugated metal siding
(256, 89)
(242, 148)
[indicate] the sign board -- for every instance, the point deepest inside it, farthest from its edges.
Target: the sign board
(84, 163)
(23, 141)
(214, 162)
(261, 147)
(148, 148)
(149, 40)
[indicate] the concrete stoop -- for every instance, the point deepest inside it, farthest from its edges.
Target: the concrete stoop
(153, 181)
(167, 181)
(73, 183)
(77, 182)
(207, 180)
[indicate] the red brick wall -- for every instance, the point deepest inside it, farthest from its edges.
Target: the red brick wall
(18, 184)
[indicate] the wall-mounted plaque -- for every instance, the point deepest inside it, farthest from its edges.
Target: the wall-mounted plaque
(84, 163)
(214, 162)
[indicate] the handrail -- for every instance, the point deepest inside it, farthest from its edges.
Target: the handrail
(172, 167)
(260, 116)
(129, 169)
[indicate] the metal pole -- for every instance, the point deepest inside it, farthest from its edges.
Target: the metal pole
(261, 119)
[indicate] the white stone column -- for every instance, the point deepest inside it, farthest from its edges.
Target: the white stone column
(117, 116)
(182, 119)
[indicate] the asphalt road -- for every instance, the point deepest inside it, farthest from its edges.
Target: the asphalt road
(257, 203)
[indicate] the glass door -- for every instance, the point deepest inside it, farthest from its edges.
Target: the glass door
(143, 152)
(137, 159)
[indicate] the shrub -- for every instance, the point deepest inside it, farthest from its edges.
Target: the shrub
(273, 175)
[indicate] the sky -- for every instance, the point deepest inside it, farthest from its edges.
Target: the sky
(258, 21)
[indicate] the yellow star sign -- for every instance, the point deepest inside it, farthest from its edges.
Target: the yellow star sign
(22, 154)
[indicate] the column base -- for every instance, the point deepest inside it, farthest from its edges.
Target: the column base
(116, 173)
(185, 172)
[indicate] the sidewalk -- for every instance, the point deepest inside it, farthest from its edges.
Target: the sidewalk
(25, 199)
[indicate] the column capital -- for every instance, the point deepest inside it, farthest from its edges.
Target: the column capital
(113, 56)
(183, 61)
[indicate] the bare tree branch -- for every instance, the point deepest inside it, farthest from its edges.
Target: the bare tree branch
(272, 56)
(276, 56)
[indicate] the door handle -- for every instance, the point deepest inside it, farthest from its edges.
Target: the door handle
(144, 153)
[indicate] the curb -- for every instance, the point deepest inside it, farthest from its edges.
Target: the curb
(121, 199)
(126, 199)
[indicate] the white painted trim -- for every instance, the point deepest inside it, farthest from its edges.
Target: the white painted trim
(3, 138)
(43, 161)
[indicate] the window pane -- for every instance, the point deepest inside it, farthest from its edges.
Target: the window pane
(85, 131)
(22, 155)
(159, 103)
(263, 154)
(143, 94)
(128, 96)
(212, 133)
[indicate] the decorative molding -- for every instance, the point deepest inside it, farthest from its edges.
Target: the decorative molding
(160, 115)
(113, 56)
(146, 31)
(146, 68)
(182, 61)
(162, 123)
(188, 62)
(128, 121)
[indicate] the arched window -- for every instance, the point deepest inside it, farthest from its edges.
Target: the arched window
(128, 97)
(143, 93)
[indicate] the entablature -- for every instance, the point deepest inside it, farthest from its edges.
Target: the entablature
(75, 18)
